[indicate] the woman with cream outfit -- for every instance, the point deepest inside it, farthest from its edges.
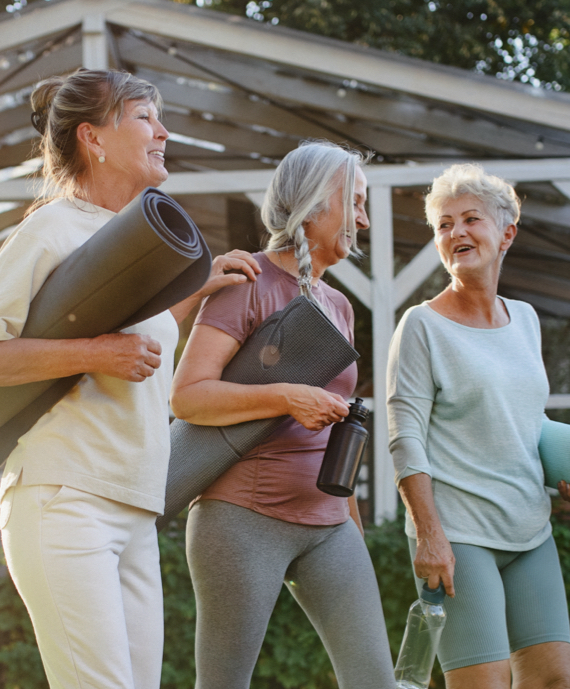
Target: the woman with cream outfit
(81, 491)
(466, 395)
(264, 522)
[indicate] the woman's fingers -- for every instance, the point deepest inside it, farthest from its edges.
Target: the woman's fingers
(230, 269)
(564, 490)
(435, 562)
(315, 408)
(237, 260)
(128, 356)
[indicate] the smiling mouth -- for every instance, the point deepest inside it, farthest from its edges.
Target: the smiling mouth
(158, 154)
(464, 248)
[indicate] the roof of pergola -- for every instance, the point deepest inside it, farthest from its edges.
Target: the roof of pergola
(239, 95)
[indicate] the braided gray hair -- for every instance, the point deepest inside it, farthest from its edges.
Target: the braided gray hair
(300, 190)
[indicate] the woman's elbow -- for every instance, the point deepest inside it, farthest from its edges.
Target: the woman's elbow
(180, 403)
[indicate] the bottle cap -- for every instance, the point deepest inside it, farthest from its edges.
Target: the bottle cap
(435, 596)
(357, 407)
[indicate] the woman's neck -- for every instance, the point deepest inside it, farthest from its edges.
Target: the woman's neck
(286, 261)
(474, 305)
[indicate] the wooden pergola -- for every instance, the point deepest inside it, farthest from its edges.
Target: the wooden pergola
(240, 94)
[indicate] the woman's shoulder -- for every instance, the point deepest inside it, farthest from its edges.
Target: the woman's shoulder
(340, 301)
(518, 307)
(522, 313)
(416, 315)
(60, 215)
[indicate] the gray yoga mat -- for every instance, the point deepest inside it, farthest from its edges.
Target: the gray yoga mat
(296, 345)
(554, 451)
(147, 258)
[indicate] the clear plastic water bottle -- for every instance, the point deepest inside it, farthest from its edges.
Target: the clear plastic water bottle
(426, 621)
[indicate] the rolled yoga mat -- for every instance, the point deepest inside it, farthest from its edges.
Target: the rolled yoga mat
(554, 451)
(147, 258)
(296, 345)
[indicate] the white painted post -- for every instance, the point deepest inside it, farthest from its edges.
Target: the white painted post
(382, 269)
(95, 52)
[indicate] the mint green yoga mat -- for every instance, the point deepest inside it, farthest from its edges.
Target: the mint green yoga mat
(147, 258)
(554, 451)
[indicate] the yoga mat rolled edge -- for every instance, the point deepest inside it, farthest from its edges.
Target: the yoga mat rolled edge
(554, 451)
(139, 268)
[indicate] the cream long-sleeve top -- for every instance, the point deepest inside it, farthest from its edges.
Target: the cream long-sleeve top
(465, 406)
(107, 436)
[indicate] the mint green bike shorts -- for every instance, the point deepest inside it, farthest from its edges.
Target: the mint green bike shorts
(504, 601)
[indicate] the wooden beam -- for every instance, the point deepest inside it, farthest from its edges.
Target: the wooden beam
(558, 402)
(563, 185)
(353, 279)
(62, 61)
(229, 135)
(44, 21)
(243, 181)
(95, 49)
(347, 61)
(14, 118)
(256, 197)
(382, 262)
(415, 273)
(304, 90)
(532, 281)
(21, 189)
(237, 106)
(544, 170)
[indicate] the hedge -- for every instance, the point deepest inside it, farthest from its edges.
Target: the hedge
(292, 656)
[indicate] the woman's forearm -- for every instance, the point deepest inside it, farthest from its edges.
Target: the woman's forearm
(417, 494)
(220, 403)
(434, 559)
(130, 357)
(27, 360)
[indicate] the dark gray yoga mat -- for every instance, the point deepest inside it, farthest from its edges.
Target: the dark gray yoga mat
(147, 258)
(296, 345)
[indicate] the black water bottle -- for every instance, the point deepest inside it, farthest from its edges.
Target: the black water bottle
(343, 455)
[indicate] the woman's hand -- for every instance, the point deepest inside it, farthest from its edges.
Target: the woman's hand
(564, 490)
(128, 356)
(313, 407)
(232, 268)
(435, 561)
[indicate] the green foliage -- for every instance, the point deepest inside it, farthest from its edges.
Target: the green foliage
(20, 664)
(292, 656)
(512, 39)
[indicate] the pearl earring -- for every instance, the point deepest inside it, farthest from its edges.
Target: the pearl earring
(101, 159)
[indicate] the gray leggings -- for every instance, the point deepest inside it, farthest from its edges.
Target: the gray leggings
(239, 560)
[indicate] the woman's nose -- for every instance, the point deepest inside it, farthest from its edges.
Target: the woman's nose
(458, 230)
(361, 219)
(161, 132)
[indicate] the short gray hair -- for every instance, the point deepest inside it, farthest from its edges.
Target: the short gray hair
(498, 196)
(301, 189)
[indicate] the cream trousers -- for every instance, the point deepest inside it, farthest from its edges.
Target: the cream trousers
(88, 571)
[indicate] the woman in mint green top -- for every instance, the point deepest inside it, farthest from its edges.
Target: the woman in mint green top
(466, 395)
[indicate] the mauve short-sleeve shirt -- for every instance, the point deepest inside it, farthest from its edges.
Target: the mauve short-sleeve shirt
(278, 477)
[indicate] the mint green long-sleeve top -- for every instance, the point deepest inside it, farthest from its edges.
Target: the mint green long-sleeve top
(465, 406)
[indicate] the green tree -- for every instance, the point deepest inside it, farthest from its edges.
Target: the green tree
(511, 39)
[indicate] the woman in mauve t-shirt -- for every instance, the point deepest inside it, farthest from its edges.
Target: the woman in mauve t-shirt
(264, 522)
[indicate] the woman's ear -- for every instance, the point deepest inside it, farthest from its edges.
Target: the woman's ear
(89, 139)
(509, 234)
